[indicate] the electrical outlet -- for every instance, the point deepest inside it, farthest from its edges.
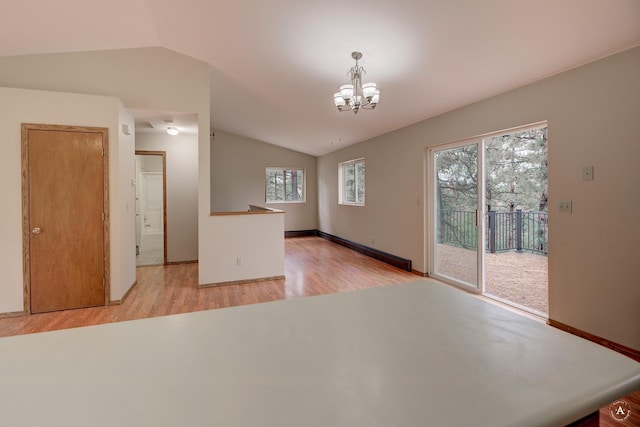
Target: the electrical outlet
(238, 261)
(565, 206)
(587, 173)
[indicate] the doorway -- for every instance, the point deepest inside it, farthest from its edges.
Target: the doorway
(488, 226)
(151, 208)
(65, 217)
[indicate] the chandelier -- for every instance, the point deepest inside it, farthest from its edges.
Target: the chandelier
(356, 95)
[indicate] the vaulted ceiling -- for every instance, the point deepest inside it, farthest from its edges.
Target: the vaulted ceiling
(276, 64)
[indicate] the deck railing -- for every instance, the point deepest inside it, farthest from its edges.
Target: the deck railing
(505, 231)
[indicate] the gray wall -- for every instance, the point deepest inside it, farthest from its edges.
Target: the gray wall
(182, 191)
(593, 115)
(238, 166)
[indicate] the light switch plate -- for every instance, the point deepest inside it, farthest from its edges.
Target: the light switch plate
(565, 206)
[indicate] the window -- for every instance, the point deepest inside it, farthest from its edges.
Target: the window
(351, 181)
(285, 185)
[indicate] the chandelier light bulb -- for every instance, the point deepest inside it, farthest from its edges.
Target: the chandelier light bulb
(338, 100)
(368, 90)
(347, 92)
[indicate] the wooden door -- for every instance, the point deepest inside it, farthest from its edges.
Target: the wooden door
(65, 221)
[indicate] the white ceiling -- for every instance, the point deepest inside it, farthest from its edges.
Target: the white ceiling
(276, 64)
(153, 121)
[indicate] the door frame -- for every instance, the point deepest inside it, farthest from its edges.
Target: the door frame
(164, 194)
(429, 211)
(26, 232)
(431, 183)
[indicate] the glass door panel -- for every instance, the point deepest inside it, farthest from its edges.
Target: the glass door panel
(516, 218)
(455, 220)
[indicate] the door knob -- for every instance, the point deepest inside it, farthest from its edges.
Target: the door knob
(36, 230)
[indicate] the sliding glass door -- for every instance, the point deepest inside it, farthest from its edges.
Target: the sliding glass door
(488, 216)
(455, 221)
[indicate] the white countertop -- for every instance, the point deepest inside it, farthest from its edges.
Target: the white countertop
(404, 355)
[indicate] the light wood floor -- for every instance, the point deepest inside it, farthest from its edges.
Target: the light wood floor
(313, 266)
(606, 420)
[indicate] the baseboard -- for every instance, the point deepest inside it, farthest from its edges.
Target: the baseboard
(124, 297)
(396, 261)
(193, 261)
(300, 233)
(240, 282)
(12, 314)
(627, 351)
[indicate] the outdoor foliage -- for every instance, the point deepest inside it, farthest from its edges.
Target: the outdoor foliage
(285, 185)
(353, 179)
(515, 170)
(515, 192)
(457, 174)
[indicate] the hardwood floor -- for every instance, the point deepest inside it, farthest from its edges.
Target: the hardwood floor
(313, 266)
(633, 400)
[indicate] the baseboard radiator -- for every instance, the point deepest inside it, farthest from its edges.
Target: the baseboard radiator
(396, 261)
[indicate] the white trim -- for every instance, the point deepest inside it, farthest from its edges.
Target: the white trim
(341, 166)
(284, 169)
(430, 244)
(465, 141)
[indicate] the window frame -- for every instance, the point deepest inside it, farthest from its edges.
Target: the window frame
(284, 170)
(342, 199)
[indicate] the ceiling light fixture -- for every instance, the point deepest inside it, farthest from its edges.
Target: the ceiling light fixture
(173, 131)
(356, 95)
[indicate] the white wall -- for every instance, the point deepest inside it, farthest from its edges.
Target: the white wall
(122, 207)
(28, 106)
(593, 115)
(246, 247)
(238, 167)
(145, 78)
(182, 191)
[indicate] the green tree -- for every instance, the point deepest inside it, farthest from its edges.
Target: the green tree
(515, 168)
(516, 171)
(457, 178)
